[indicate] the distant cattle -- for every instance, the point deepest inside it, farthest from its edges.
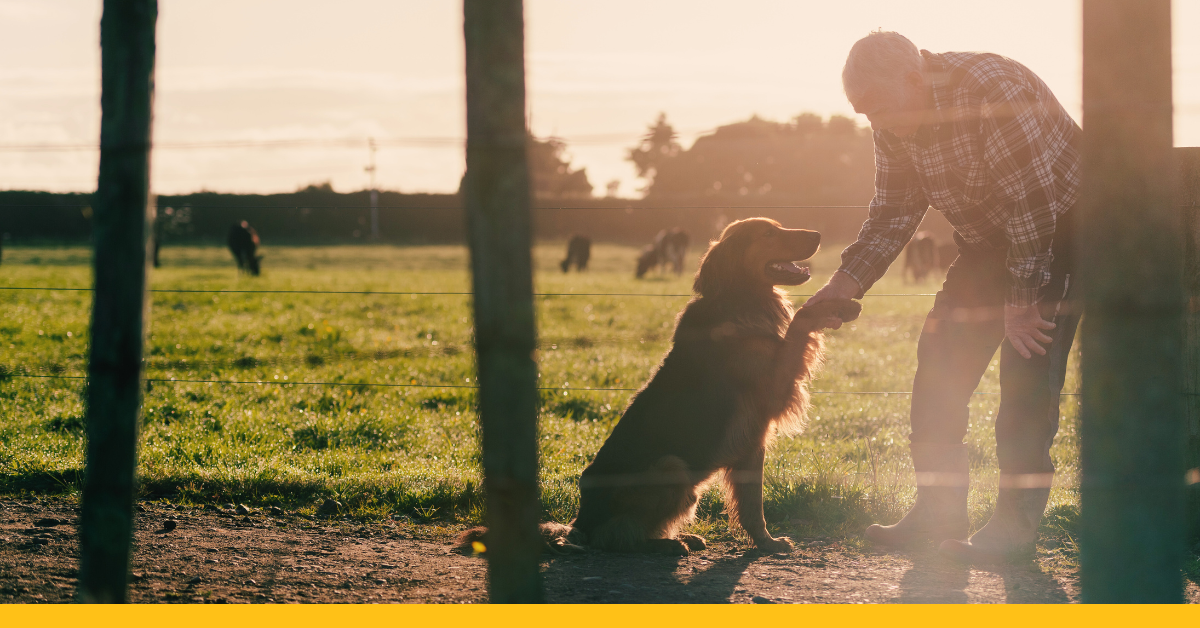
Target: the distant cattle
(669, 248)
(647, 259)
(243, 243)
(674, 249)
(579, 250)
(920, 257)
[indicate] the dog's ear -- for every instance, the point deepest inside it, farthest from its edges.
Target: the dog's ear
(720, 265)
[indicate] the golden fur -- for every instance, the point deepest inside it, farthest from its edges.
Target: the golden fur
(735, 375)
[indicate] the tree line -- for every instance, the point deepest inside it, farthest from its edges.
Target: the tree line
(806, 159)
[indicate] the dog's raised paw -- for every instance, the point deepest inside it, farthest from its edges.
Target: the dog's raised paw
(848, 310)
(831, 313)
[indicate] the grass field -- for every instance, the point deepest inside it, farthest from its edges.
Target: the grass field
(414, 451)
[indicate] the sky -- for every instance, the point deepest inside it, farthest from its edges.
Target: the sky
(598, 72)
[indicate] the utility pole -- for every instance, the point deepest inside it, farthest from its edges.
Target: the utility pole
(374, 192)
(496, 195)
(120, 227)
(1132, 431)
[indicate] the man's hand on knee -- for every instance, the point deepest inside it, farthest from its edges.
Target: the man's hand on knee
(1023, 327)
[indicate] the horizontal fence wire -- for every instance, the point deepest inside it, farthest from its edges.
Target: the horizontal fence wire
(335, 142)
(443, 207)
(467, 386)
(398, 293)
(387, 292)
(312, 360)
(459, 208)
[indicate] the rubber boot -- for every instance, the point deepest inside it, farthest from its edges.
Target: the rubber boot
(1010, 533)
(940, 511)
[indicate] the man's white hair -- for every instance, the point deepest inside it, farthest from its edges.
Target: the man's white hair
(879, 62)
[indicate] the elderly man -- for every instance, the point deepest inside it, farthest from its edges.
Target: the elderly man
(980, 138)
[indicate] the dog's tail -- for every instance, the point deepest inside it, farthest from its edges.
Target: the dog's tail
(465, 542)
(557, 538)
(560, 538)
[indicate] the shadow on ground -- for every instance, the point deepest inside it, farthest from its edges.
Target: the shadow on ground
(626, 578)
(216, 555)
(935, 579)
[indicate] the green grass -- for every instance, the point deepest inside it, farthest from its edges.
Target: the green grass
(414, 451)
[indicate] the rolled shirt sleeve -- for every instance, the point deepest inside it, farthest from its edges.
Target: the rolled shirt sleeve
(896, 211)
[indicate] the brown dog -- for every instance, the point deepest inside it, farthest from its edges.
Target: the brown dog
(735, 375)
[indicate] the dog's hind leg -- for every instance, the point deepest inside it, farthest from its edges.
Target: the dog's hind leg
(694, 542)
(745, 499)
(620, 533)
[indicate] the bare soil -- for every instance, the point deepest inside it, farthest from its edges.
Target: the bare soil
(216, 556)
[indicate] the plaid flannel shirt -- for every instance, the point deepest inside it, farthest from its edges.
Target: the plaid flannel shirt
(1001, 162)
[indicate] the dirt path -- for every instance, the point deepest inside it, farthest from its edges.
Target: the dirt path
(214, 556)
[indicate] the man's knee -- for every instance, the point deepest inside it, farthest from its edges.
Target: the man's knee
(1020, 375)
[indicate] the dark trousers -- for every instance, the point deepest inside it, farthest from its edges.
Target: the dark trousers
(958, 341)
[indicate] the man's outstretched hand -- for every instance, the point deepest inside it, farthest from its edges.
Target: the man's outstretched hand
(1023, 326)
(840, 286)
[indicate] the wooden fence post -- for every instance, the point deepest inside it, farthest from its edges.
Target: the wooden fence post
(496, 195)
(1132, 530)
(1189, 199)
(120, 237)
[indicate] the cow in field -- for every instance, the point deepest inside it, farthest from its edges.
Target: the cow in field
(674, 249)
(920, 257)
(243, 243)
(579, 250)
(669, 248)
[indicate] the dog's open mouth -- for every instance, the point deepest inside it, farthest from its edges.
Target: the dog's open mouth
(787, 273)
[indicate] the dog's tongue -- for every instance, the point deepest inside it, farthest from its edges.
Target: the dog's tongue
(789, 267)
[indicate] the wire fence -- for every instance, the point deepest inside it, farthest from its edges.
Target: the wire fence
(466, 386)
(377, 355)
(383, 355)
(321, 359)
(388, 292)
(333, 142)
(614, 206)
(442, 207)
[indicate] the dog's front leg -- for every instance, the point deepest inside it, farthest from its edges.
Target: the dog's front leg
(803, 346)
(793, 361)
(744, 480)
(801, 350)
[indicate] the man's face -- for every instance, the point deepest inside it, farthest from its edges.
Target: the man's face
(899, 115)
